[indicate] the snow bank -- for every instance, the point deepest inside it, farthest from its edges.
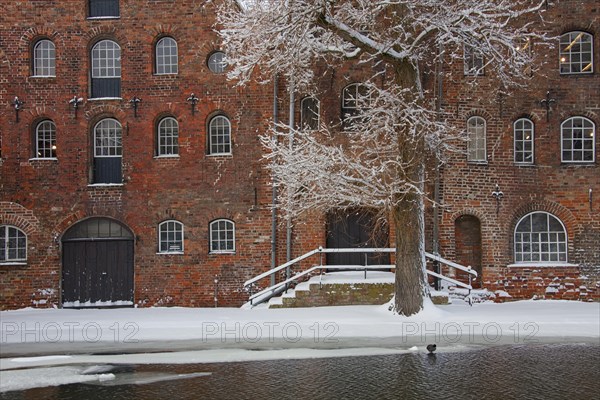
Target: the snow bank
(62, 331)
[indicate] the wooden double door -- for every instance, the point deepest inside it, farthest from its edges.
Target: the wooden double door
(97, 258)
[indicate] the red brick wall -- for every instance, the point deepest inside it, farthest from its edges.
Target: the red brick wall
(50, 196)
(194, 188)
(548, 185)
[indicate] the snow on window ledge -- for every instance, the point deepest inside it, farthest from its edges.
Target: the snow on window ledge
(93, 185)
(167, 156)
(217, 155)
(168, 253)
(557, 264)
(43, 76)
(43, 159)
(105, 17)
(13, 263)
(222, 252)
(104, 98)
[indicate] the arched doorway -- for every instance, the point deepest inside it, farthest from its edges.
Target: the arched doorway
(97, 258)
(467, 236)
(355, 229)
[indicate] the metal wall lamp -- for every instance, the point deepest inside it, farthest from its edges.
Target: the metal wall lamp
(498, 195)
(135, 102)
(193, 100)
(75, 102)
(18, 104)
(547, 102)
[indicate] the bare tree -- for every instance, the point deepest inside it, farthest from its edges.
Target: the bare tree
(380, 164)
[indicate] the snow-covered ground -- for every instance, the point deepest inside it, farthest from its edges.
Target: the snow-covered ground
(49, 346)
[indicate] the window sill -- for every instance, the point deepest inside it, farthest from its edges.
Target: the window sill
(167, 157)
(170, 253)
(220, 155)
(473, 162)
(524, 164)
(13, 263)
(586, 73)
(557, 264)
(104, 17)
(104, 98)
(94, 185)
(173, 74)
(221, 252)
(579, 163)
(43, 76)
(43, 159)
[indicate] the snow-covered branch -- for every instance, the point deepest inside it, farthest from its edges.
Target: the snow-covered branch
(370, 160)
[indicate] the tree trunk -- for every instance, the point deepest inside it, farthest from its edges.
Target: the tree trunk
(409, 222)
(408, 212)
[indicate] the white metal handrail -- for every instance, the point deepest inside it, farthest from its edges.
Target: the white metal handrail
(266, 293)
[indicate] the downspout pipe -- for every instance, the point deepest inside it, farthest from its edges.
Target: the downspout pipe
(291, 144)
(274, 189)
(436, 188)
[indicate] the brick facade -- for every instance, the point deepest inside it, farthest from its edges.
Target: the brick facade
(46, 197)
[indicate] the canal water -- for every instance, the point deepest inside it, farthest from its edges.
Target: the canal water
(540, 371)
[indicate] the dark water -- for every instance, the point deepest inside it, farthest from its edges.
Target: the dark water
(505, 372)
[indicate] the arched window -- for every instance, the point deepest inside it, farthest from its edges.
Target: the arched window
(170, 237)
(44, 58)
(353, 100)
(576, 53)
(45, 139)
(540, 237)
(13, 244)
(222, 236)
(168, 137)
(523, 140)
(106, 69)
(216, 62)
(578, 140)
(166, 56)
(219, 136)
(476, 148)
(108, 151)
(309, 113)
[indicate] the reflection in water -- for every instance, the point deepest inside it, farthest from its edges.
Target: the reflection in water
(505, 372)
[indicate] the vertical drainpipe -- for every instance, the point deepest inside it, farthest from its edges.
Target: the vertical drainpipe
(274, 190)
(436, 188)
(289, 219)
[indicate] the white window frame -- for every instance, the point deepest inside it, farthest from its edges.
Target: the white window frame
(167, 242)
(110, 145)
(49, 137)
(569, 49)
(212, 239)
(218, 131)
(44, 59)
(540, 243)
(167, 63)
(168, 133)
(523, 131)
(216, 62)
(478, 139)
(5, 238)
(106, 60)
(583, 139)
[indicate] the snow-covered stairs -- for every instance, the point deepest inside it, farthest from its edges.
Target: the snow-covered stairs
(338, 289)
(343, 288)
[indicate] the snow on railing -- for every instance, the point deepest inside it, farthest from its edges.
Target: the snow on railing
(267, 293)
